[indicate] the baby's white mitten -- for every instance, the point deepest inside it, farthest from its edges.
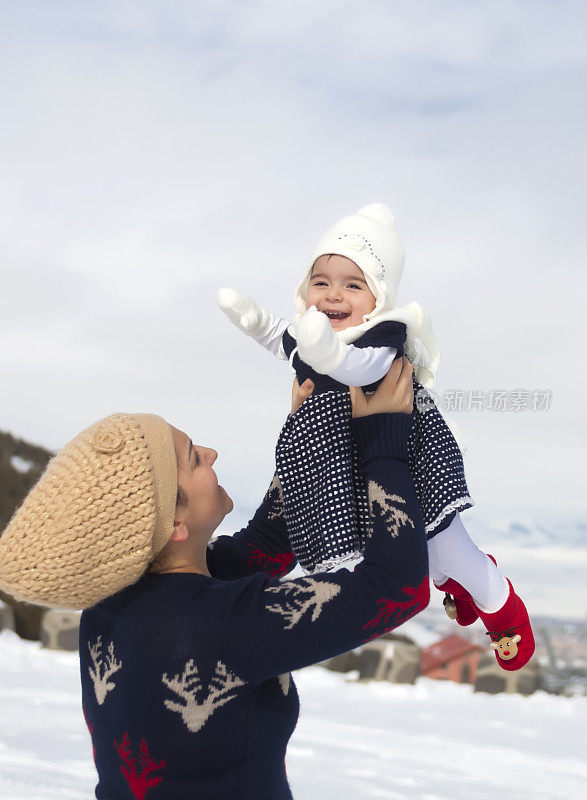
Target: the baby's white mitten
(243, 311)
(318, 344)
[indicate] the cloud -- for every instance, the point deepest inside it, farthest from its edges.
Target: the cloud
(152, 154)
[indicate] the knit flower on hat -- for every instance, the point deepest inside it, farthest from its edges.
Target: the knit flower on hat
(355, 241)
(107, 439)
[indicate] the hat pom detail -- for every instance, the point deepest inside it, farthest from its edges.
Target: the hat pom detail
(378, 212)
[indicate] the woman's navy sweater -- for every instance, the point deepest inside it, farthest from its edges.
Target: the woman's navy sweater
(185, 678)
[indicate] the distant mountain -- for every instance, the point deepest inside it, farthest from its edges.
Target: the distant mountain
(527, 529)
(21, 466)
(543, 553)
(545, 530)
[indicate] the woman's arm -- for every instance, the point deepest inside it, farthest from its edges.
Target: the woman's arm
(271, 627)
(262, 546)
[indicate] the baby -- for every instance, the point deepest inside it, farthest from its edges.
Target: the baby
(347, 332)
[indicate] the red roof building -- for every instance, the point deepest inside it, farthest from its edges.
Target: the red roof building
(451, 659)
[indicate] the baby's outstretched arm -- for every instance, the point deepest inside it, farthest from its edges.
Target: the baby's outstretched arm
(254, 320)
(364, 365)
(322, 350)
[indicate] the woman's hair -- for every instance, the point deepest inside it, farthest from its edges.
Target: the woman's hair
(180, 500)
(161, 561)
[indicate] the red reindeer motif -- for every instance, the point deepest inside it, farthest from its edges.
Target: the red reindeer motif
(275, 566)
(393, 612)
(139, 783)
(90, 728)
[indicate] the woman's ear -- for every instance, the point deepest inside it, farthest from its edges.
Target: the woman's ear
(180, 532)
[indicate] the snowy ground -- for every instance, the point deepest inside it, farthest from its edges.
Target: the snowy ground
(432, 741)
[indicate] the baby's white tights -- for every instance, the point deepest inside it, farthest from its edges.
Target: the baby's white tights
(453, 554)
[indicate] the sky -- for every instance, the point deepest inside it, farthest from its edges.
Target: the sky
(153, 152)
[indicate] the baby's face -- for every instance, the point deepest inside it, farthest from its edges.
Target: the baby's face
(338, 288)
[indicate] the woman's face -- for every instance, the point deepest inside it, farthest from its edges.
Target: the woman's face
(207, 503)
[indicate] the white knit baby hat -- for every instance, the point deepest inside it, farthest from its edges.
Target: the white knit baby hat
(369, 238)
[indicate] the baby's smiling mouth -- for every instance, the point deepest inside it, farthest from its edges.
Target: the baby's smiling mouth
(336, 315)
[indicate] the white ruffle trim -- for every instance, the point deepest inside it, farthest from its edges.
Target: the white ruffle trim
(454, 506)
(333, 564)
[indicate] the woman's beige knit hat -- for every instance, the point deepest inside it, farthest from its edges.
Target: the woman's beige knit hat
(100, 513)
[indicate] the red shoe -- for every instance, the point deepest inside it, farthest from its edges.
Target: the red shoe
(462, 608)
(510, 632)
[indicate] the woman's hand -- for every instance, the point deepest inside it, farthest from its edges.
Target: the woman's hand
(300, 393)
(395, 393)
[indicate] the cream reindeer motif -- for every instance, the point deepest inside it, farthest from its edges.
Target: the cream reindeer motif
(284, 682)
(100, 679)
(301, 596)
(275, 497)
(386, 505)
(188, 687)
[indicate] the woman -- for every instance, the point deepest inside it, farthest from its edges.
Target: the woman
(186, 646)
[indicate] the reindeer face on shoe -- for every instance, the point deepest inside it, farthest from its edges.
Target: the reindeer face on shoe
(511, 634)
(505, 644)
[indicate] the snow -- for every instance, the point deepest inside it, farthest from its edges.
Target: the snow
(418, 633)
(354, 741)
(433, 741)
(20, 464)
